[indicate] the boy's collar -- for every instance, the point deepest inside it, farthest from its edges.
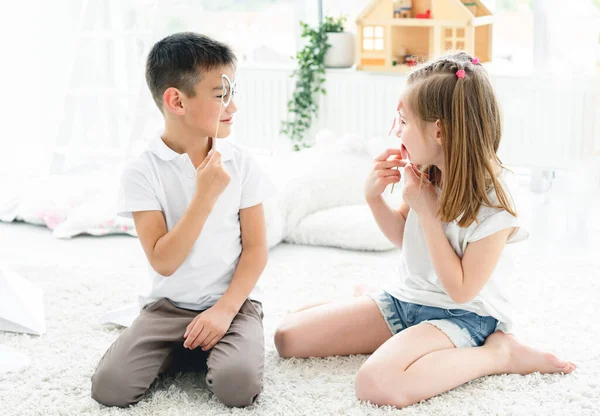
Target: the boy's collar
(164, 152)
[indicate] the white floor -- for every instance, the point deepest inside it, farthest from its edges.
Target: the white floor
(555, 290)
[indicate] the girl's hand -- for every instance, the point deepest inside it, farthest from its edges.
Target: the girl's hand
(383, 173)
(419, 193)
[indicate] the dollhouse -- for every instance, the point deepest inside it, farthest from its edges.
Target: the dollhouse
(393, 35)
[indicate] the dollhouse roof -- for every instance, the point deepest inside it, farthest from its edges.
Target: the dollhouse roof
(453, 11)
(365, 13)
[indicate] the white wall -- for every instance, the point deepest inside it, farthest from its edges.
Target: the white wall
(36, 48)
(550, 120)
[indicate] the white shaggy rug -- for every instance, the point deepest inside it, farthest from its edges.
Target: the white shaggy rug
(84, 277)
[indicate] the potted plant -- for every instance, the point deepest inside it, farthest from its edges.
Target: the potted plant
(303, 106)
(340, 53)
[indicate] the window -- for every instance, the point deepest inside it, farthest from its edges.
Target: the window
(259, 31)
(454, 38)
(349, 8)
(373, 38)
(512, 32)
(106, 102)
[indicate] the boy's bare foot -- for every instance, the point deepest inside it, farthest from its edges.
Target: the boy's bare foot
(362, 289)
(521, 359)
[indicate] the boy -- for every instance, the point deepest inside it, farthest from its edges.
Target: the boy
(199, 216)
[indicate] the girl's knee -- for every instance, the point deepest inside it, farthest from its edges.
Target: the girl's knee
(284, 340)
(368, 386)
(374, 386)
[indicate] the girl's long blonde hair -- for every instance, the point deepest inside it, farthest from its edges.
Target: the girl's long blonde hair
(471, 129)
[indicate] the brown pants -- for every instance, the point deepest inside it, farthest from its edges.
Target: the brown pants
(154, 344)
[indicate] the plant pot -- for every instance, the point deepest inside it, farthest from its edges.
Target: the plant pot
(341, 52)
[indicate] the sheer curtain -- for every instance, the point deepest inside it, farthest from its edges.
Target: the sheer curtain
(36, 45)
(74, 70)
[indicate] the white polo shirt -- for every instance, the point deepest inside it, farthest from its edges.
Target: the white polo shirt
(164, 180)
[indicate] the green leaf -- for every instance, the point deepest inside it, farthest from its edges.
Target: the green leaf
(310, 76)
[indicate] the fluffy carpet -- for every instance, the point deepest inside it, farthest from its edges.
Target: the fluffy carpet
(84, 277)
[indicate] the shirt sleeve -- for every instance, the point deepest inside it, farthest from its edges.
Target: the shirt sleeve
(256, 185)
(499, 220)
(136, 193)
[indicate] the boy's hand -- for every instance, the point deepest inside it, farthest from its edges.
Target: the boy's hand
(419, 193)
(207, 328)
(211, 177)
(383, 173)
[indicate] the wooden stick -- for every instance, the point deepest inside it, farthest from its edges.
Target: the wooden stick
(214, 139)
(392, 191)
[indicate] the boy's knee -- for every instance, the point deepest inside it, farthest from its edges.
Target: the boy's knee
(111, 387)
(237, 384)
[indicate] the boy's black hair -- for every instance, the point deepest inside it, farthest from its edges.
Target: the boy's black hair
(179, 60)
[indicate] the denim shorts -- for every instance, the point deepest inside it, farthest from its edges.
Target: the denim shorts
(464, 328)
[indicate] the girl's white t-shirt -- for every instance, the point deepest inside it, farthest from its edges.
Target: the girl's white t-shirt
(418, 283)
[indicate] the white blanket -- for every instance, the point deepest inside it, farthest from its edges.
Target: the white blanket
(320, 199)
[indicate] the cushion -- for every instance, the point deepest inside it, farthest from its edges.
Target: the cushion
(350, 227)
(47, 200)
(97, 216)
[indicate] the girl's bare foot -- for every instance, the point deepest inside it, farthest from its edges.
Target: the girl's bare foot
(517, 358)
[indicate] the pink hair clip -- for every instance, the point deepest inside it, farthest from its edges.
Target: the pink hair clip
(460, 73)
(475, 60)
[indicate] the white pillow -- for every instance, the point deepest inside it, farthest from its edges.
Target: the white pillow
(272, 166)
(331, 174)
(319, 181)
(97, 216)
(48, 201)
(10, 197)
(273, 221)
(350, 227)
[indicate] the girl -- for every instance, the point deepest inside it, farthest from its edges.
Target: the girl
(444, 320)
